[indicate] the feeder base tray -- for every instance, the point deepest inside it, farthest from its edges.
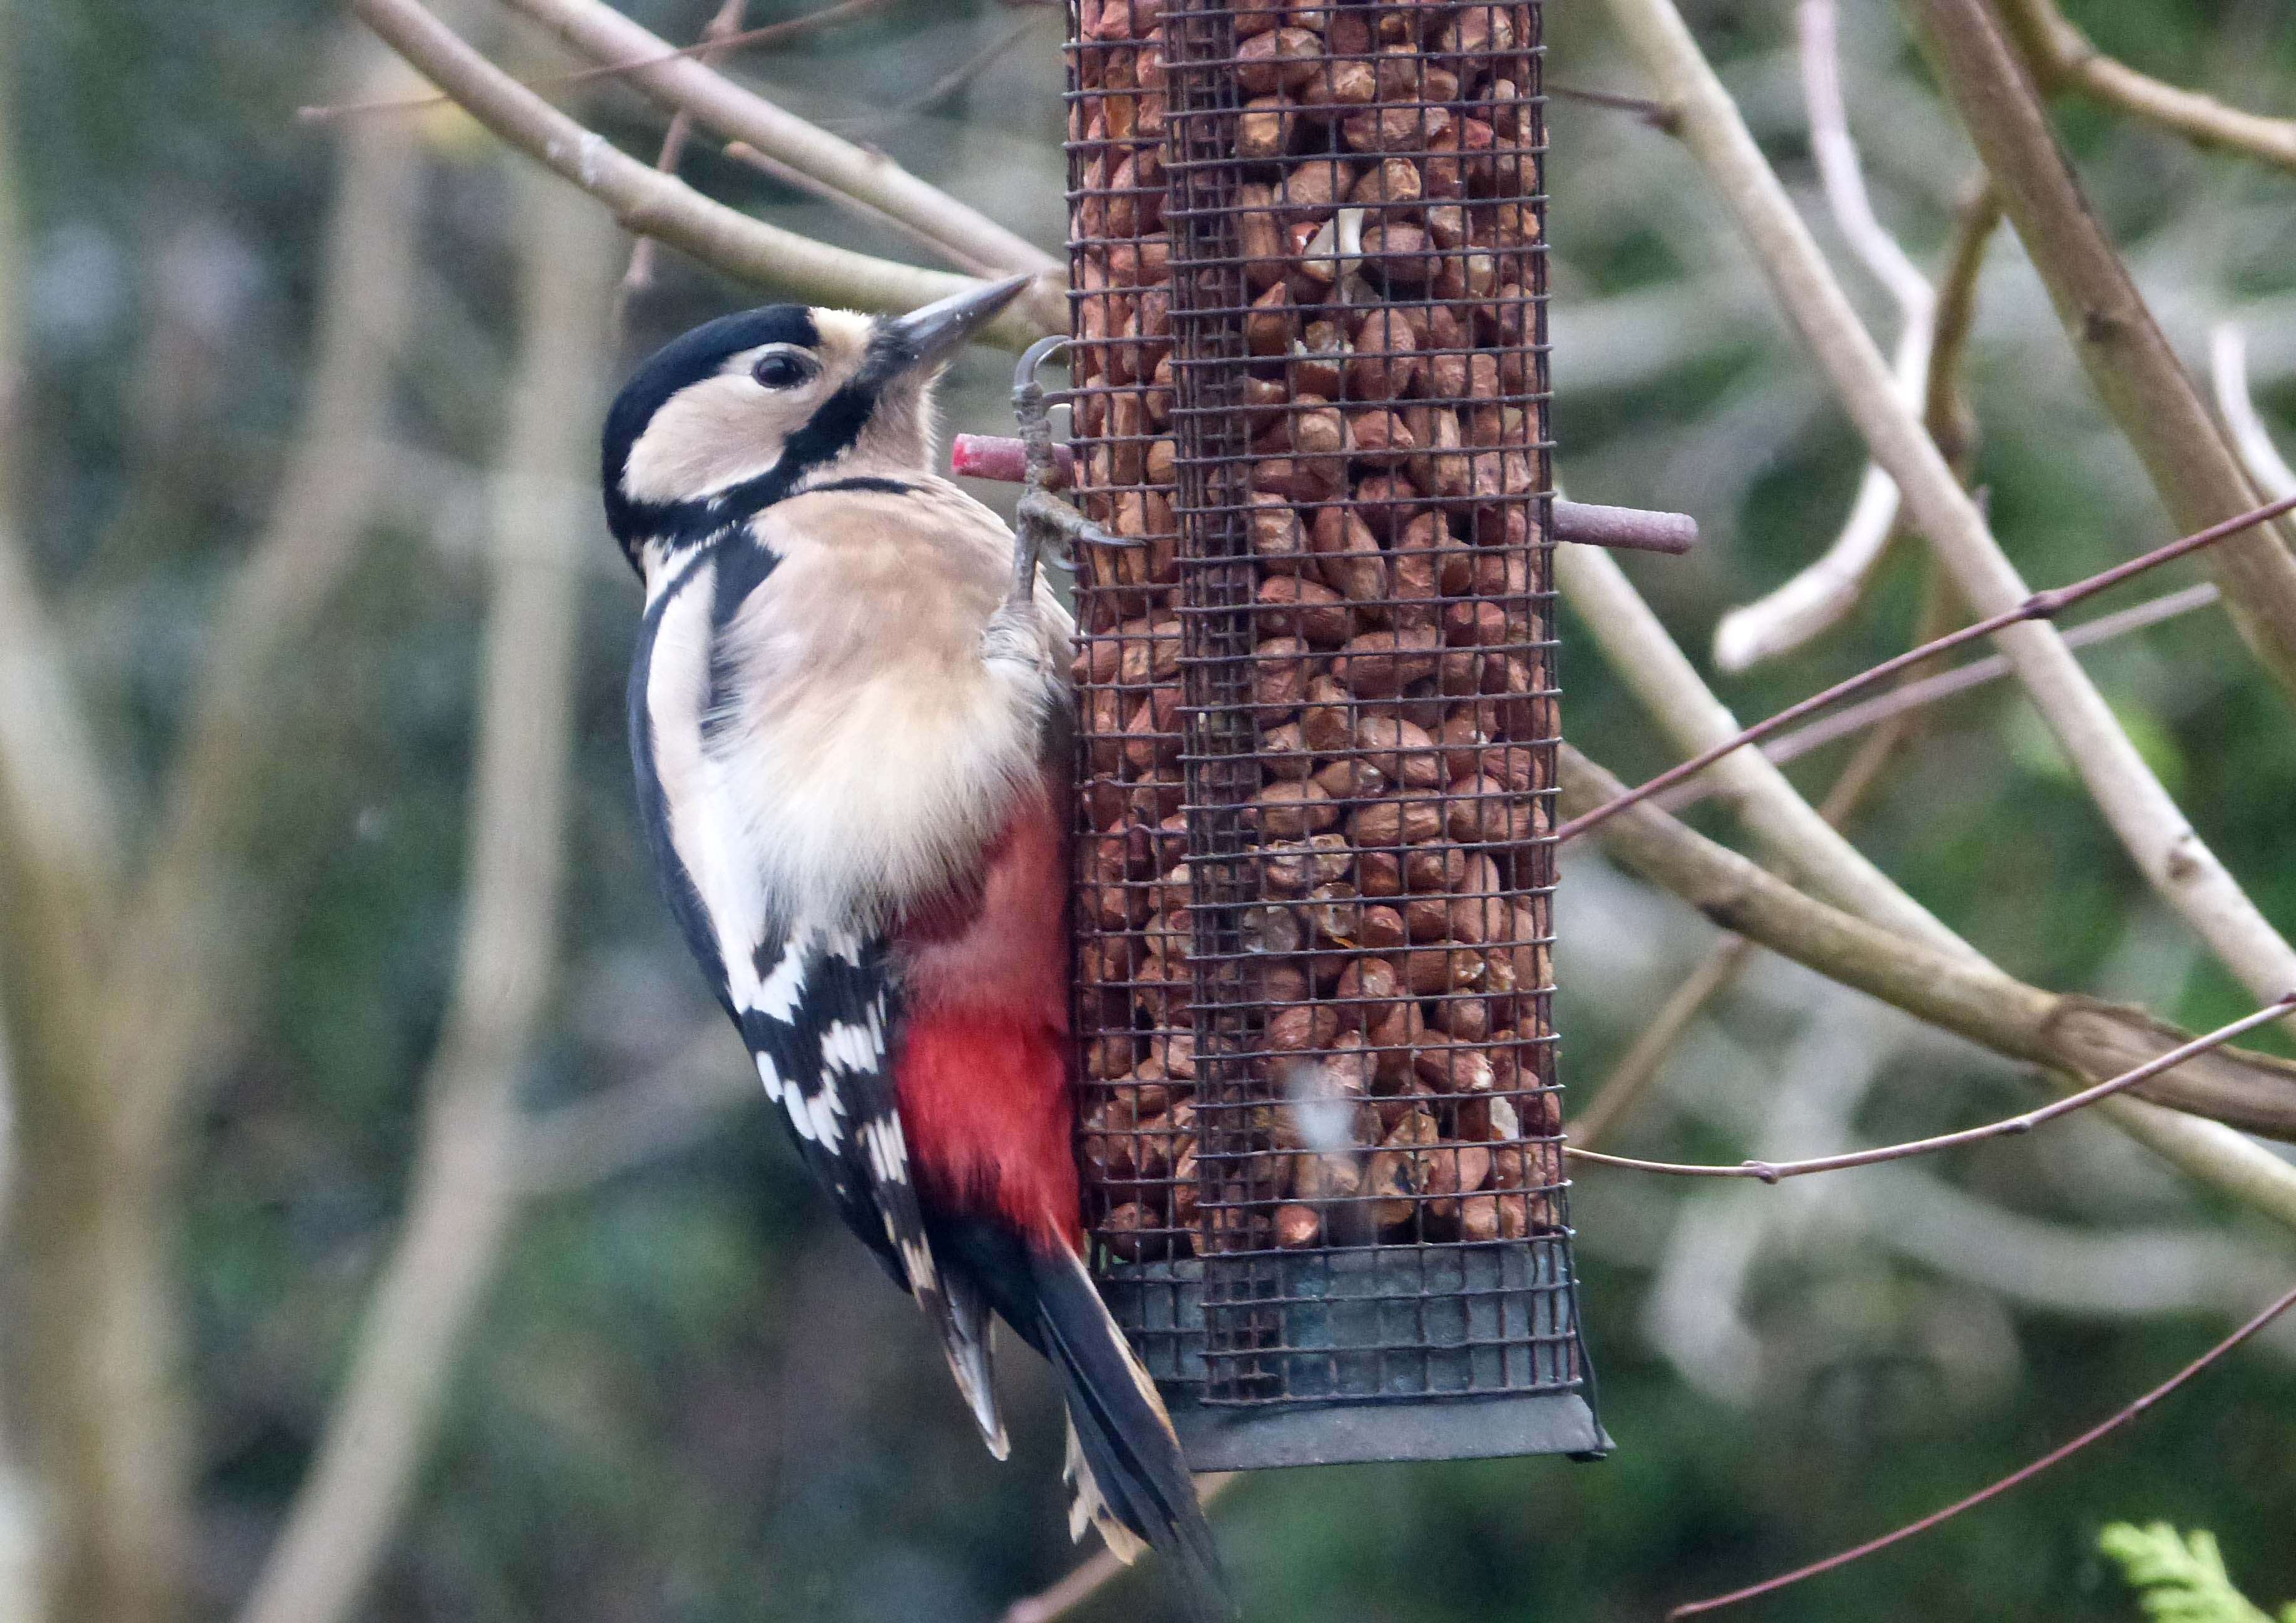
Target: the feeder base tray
(1341, 1433)
(1388, 1353)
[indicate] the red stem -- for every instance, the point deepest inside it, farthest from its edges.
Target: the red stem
(1770, 1172)
(2025, 1474)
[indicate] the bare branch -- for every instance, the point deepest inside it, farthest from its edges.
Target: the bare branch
(2026, 1473)
(465, 1189)
(658, 205)
(2228, 366)
(598, 31)
(2136, 373)
(2085, 1039)
(2062, 58)
(2039, 606)
(2157, 835)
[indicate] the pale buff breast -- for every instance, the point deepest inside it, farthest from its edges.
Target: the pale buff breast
(872, 752)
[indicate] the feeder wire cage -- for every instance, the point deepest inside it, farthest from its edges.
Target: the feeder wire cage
(1319, 1122)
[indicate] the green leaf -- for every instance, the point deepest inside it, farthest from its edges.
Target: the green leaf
(2179, 1579)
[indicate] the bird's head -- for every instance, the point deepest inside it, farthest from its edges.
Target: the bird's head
(747, 409)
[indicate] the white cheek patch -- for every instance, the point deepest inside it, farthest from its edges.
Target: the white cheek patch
(709, 437)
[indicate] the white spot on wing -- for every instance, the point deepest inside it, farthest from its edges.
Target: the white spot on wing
(850, 1047)
(889, 1152)
(771, 1078)
(825, 1109)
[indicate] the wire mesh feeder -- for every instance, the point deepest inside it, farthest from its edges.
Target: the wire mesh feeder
(1320, 1129)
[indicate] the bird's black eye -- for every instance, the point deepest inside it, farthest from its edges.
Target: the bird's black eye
(781, 370)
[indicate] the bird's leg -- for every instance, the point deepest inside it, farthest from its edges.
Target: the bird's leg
(1046, 527)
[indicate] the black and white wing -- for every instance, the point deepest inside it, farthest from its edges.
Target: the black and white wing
(818, 1003)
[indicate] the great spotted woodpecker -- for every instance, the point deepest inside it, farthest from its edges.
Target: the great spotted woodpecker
(851, 738)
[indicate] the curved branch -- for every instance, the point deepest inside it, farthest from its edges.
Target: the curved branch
(2228, 367)
(645, 200)
(2062, 58)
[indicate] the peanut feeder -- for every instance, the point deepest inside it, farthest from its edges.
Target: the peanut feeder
(1319, 1127)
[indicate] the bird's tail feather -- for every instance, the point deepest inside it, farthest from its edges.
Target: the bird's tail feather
(1124, 1460)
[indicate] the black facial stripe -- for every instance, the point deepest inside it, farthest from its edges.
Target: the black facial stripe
(866, 482)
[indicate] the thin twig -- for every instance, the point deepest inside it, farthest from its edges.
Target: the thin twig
(2062, 56)
(1825, 592)
(2041, 605)
(1631, 1077)
(771, 33)
(2026, 1473)
(2137, 374)
(716, 36)
(1102, 1569)
(941, 88)
(1771, 1172)
(660, 205)
(741, 151)
(1943, 409)
(1816, 734)
(1657, 115)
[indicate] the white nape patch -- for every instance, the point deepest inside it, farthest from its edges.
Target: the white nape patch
(771, 1078)
(780, 992)
(849, 1047)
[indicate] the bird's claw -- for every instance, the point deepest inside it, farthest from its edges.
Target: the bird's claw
(1048, 530)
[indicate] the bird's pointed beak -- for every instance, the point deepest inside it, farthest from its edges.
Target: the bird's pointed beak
(925, 338)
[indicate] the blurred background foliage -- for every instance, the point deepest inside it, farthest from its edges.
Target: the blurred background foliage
(688, 1397)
